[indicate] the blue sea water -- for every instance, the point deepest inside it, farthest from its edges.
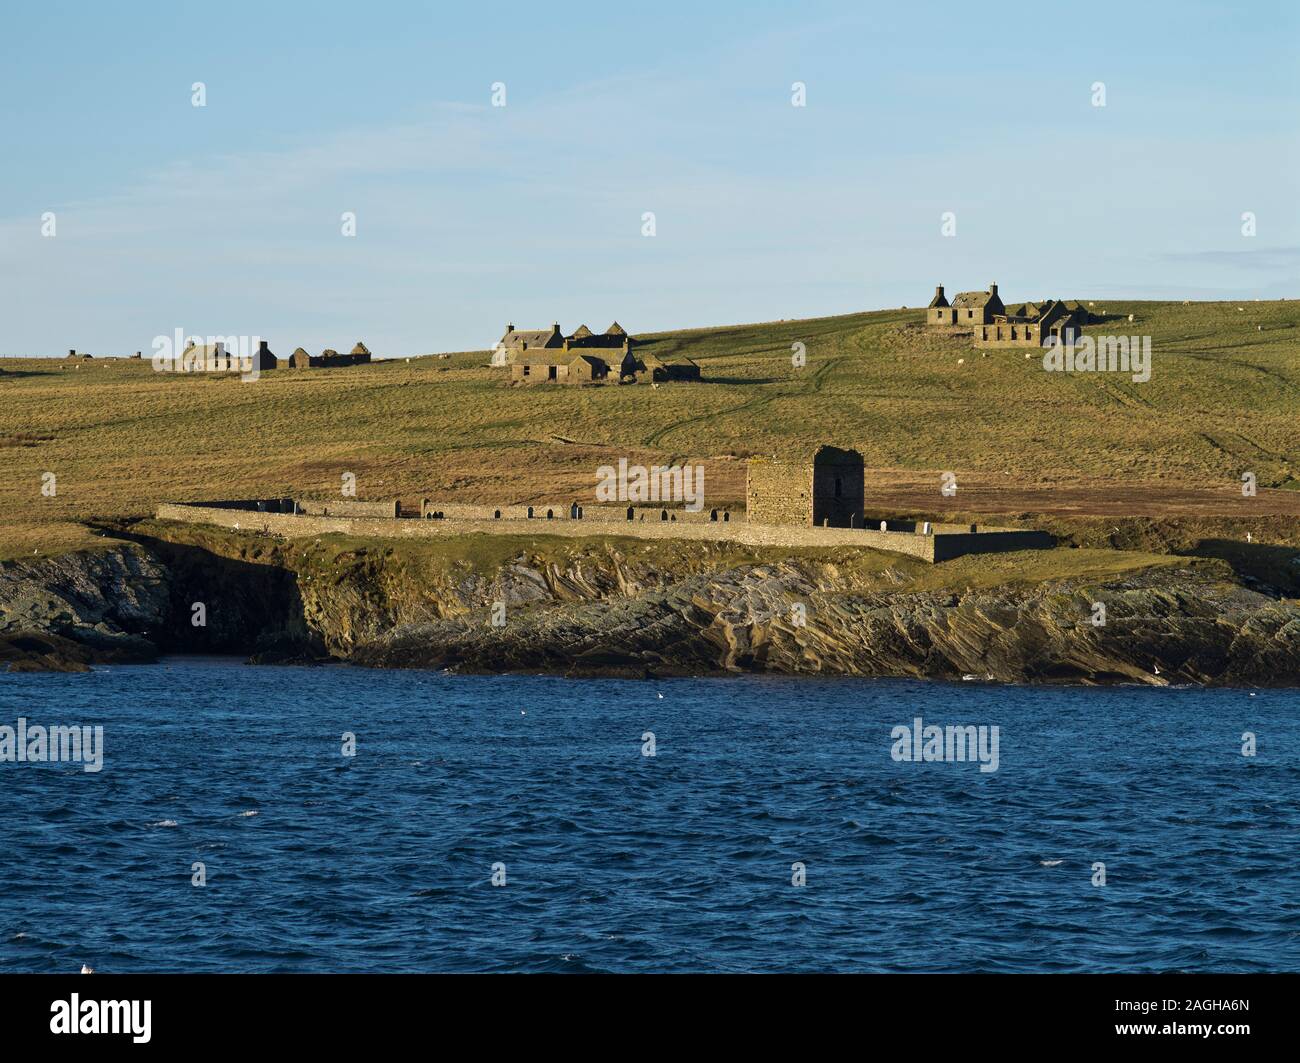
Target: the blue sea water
(615, 861)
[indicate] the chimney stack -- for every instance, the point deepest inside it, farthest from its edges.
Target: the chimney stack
(993, 288)
(938, 290)
(263, 347)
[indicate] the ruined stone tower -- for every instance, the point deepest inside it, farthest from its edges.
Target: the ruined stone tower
(827, 491)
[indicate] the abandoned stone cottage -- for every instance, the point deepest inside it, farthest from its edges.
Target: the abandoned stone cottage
(542, 356)
(549, 356)
(217, 358)
(536, 367)
(1031, 324)
(993, 324)
(659, 368)
(966, 310)
(330, 358)
(553, 339)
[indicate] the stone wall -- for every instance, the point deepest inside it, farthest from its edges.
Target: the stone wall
(1007, 334)
(596, 513)
(330, 359)
(778, 492)
(433, 509)
(829, 491)
(930, 548)
(244, 519)
(276, 517)
(838, 488)
(303, 525)
(895, 524)
(556, 372)
(268, 505)
(950, 545)
(347, 507)
(660, 514)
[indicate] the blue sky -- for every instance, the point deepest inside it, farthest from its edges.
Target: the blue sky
(225, 219)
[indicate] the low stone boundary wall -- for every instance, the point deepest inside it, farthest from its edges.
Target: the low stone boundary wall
(950, 545)
(596, 513)
(430, 509)
(347, 507)
(940, 547)
(650, 514)
(259, 505)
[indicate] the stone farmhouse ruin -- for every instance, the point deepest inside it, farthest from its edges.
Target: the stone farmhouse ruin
(544, 356)
(659, 369)
(329, 358)
(217, 358)
(214, 357)
(264, 359)
(810, 500)
(966, 311)
(540, 367)
(992, 324)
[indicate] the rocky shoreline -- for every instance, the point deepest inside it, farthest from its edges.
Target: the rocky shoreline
(602, 610)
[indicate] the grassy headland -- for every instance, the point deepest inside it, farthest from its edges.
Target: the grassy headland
(1223, 399)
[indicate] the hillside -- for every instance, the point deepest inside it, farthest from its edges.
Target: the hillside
(1224, 397)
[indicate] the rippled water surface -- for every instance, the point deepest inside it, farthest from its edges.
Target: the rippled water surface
(615, 861)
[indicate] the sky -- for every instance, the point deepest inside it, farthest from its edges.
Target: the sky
(228, 219)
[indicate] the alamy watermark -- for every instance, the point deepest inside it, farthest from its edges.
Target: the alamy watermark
(179, 353)
(1105, 354)
(53, 745)
(658, 483)
(75, 1015)
(929, 743)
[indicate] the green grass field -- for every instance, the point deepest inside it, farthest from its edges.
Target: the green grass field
(1224, 397)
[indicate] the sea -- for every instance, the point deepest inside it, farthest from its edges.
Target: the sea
(260, 819)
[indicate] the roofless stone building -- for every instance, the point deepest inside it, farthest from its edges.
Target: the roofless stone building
(538, 356)
(827, 490)
(967, 309)
(993, 324)
(330, 358)
(613, 338)
(557, 367)
(1031, 324)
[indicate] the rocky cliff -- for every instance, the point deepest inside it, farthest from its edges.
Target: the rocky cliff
(63, 612)
(1162, 626)
(625, 608)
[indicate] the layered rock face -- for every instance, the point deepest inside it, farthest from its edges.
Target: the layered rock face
(603, 609)
(130, 603)
(1161, 627)
(64, 612)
